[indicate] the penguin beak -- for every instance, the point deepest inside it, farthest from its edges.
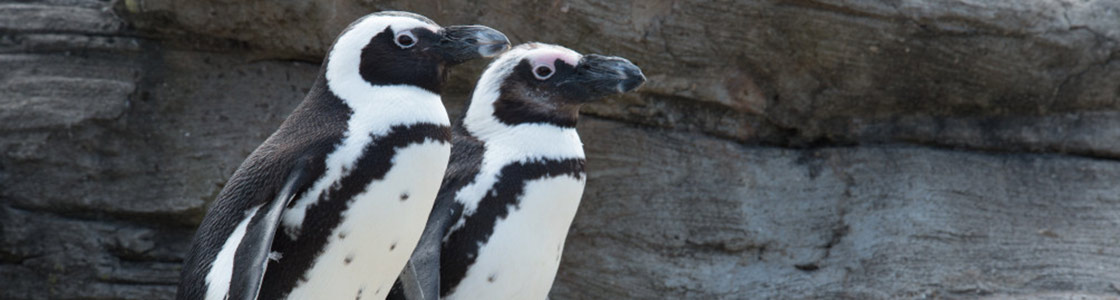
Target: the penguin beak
(461, 43)
(608, 75)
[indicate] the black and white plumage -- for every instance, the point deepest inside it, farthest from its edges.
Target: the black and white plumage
(331, 205)
(515, 178)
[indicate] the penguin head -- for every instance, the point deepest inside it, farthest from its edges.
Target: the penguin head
(543, 83)
(401, 48)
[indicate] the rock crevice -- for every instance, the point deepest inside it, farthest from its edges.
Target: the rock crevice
(815, 149)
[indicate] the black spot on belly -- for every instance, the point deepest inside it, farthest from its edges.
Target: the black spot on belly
(342, 235)
(491, 278)
(404, 196)
(393, 246)
(348, 259)
(324, 218)
(359, 296)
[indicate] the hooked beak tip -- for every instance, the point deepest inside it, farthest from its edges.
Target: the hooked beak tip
(492, 50)
(467, 42)
(634, 79)
(491, 43)
(630, 84)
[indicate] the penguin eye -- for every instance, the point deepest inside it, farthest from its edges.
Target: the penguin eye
(542, 72)
(405, 40)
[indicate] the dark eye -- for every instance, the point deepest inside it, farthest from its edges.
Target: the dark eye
(406, 40)
(542, 72)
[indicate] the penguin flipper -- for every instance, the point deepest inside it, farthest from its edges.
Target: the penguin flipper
(410, 285)
(420, 278)
(252, 255)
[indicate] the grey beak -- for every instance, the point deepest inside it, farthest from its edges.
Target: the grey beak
(491, 42)
(611, 74)
(461, 43)
(633, 78)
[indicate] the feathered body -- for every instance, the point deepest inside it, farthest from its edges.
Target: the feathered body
(516, 175)
(331, 205)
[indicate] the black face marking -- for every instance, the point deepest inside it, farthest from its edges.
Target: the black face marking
(385, 63)
(461, 248)
(525, 99)
(324, 217)
(553, 97)
(405, 39)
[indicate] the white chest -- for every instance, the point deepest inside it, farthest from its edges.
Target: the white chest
(366, 252)
(521, 257)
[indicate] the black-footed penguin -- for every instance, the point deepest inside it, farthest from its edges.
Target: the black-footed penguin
(331, 205)
(515, 178)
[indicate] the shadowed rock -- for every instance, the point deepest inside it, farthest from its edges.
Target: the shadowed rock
(780, 149)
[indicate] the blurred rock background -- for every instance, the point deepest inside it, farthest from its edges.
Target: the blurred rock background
(782, 149)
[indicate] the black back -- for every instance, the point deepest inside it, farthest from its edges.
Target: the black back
(312, 131)
(296, 154)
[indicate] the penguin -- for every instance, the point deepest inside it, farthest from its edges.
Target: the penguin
(515, 178)
(332, 204)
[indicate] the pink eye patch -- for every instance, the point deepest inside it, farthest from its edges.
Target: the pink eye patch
(546, 57)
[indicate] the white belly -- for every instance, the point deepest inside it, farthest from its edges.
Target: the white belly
(521, 257)
(379, 231)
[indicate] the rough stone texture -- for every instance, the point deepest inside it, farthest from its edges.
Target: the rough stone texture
(806, 149)
(869, 222)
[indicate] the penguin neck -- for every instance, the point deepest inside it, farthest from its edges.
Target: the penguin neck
(549, 147)
(369, 117)
(525, 141)
(503, 145)
(374, 109)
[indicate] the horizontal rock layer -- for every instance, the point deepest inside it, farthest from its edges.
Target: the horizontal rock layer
(822, 149)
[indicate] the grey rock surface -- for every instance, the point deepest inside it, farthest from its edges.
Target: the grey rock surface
(872, 222)
(804, 149)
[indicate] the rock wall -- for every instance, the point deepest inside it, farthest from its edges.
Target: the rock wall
(821, 149)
